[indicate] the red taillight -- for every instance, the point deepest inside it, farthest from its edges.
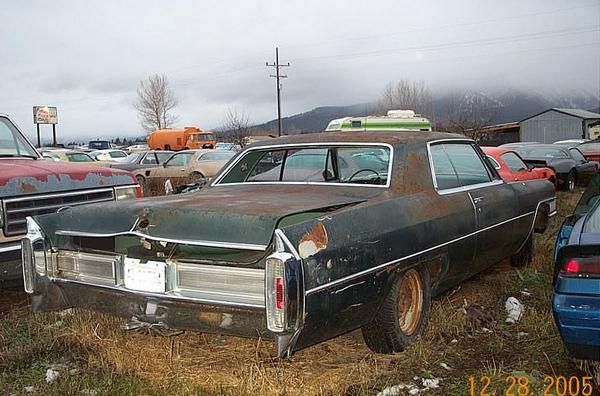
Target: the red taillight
(279, 293)
(582, 265)
(139, 192)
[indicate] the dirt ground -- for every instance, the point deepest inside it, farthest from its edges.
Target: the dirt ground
(468, 343)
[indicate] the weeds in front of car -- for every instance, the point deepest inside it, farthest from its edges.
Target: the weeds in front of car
(467, 340)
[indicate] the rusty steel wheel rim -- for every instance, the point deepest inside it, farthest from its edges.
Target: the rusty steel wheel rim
(410, 302)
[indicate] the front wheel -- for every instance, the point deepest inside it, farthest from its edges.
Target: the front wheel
(403, 316)
(570, 182)
(197, 177)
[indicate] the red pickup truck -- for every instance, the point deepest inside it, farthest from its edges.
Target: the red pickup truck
(31, 185)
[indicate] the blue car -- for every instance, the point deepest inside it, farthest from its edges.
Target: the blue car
(576, 297)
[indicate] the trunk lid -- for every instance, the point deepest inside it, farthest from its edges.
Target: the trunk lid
(241, 214)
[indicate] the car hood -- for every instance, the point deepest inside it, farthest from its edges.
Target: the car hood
(229, 214)
(20, 177)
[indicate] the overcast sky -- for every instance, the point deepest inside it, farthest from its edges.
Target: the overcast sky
(87, 57)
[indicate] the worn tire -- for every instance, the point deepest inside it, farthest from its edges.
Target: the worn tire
(141, 180)
(386, 333)
(525, 255)
(197, 176)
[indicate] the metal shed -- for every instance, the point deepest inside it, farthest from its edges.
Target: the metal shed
(560, 124)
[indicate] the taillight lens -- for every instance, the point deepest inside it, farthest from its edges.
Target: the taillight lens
(128, 192)
(275, 292)
(581, 266)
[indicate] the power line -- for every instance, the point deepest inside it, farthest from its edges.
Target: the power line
(278, 76)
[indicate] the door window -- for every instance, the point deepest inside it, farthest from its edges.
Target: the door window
(180, 159)
(445, 175)
(469, 166)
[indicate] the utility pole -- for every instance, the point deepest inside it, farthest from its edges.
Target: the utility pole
(278, 75)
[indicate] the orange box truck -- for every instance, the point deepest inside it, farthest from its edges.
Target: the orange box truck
(181, 139)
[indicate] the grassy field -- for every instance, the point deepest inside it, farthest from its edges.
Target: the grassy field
(467, 334)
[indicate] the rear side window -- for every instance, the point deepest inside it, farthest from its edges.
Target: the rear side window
(458, 165)
(576, 154)
(445, 175)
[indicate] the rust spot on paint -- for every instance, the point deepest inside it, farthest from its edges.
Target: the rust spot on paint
(313, 241)
(28, 188)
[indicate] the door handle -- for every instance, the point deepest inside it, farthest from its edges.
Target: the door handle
(477, 199)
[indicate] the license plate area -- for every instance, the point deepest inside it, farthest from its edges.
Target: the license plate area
(149, 276)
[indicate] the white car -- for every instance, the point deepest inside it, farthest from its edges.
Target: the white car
(109, 155)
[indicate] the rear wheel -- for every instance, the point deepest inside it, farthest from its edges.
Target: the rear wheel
(197, 177)
(141, 180)
(403, 315)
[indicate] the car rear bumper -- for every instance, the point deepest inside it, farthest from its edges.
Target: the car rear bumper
(150, 309)
(11, 273)
(578, 320)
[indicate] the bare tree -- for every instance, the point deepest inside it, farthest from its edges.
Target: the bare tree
(237, 125)
(470, 119)
(406, 95)
(155, 103)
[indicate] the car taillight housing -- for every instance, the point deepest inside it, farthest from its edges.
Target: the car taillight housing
(275, 291)
(587, 266)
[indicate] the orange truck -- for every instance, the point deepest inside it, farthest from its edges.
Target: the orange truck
(181, 139)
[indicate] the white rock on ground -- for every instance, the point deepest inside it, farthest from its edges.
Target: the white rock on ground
(514, 309)
(28, 389)
(51, 375)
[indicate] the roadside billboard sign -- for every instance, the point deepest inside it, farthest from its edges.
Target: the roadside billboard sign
(45, 115)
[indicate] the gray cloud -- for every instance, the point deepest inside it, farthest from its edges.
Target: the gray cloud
(88, 57)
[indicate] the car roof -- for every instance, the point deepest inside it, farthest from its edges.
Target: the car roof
(496, 150)
(547, 146)
(382, 136)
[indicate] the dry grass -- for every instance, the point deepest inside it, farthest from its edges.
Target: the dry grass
(114, 362)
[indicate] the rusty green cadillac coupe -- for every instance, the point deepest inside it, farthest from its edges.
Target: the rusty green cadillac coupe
(297, 240)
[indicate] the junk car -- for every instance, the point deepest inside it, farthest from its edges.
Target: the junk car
(512, 168)
(569, 164)
(31, 185)
(297, 240)
(576, 296)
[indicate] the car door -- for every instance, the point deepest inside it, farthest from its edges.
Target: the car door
(175, 167)
(495, 203)
(460, 225)
(585, 168)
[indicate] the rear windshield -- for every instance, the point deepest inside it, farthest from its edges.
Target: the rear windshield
(216, 155)
(362, 165)
(99, 145)
(589, 148)
(540, 152)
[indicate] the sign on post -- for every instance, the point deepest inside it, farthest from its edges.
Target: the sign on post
(45, 115)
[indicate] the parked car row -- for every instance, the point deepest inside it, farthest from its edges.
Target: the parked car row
(298, 239)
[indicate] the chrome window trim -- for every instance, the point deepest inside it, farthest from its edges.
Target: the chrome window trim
(243, 153)
(494, 162)
(493, 182)
(126, 186)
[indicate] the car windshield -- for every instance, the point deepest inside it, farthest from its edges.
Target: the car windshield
(540, 152)
(79, 157)
(368, 165)
(216, 155)
(589, 148)
(12, 143)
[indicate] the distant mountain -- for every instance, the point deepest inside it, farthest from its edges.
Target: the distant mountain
(509, 106)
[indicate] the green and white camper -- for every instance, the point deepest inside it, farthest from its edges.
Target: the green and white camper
(395, 120)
